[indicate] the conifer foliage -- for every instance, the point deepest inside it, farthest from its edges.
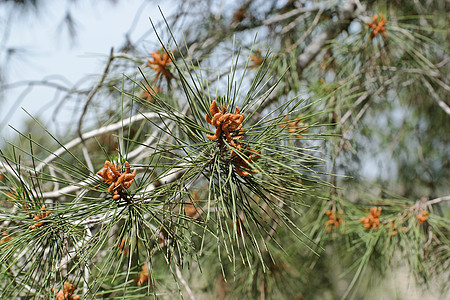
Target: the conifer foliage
(233, 159)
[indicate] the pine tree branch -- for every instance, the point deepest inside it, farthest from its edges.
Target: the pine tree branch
(177, 173)
(69, 189)
(5, 168)
(289, 14)
(183, 282)
(307, 32)
(435, 96)
(346, 15)
(363, 97)
(73, 143)
(438, 200)
(420, 204)
(87, 158)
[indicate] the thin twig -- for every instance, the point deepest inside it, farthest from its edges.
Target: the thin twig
(307, 32)
(294, 23)
(87, 158)
(436, 97)
(92, 134)
(186, 286)
(438, 200)
(92, 93)
(346, 16)
(289, 14)
(422, 203)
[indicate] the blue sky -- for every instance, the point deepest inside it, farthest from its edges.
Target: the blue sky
(48, 50)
